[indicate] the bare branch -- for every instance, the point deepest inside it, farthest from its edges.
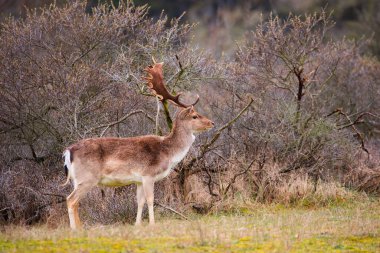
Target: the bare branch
(108, 125)
(237, 175)
(206, 147)
(352, 125)
(171, 209)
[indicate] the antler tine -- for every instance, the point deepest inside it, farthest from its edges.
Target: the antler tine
(179, 103)
(155, 81)
(196, 101)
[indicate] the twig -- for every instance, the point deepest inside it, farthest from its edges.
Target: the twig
(4, 209)
(53, 194)
(358, 120)
(210, 183)
(220, 130)
(205, 147)
(352, 125)
(117, 121)
(237, 175)
(179, 62)
(39, 208)
(178, 75)
(108, 125)
(157, 116)
(171, 209)
(85, 53)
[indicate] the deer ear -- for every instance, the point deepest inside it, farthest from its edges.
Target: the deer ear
(186, 111)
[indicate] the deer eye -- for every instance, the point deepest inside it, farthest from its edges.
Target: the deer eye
(195, 117)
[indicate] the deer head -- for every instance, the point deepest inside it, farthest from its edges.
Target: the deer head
(193, 121)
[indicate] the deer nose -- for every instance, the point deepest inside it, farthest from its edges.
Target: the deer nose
(212, 123)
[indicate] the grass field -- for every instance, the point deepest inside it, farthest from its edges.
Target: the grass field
(351, 227)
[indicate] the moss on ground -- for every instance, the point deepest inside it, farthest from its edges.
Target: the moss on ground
(244, 244)
(331, 244)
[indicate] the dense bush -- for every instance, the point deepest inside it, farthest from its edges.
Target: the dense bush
(67, 75)
(311, 115)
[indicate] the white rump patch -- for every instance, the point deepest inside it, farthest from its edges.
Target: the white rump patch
(69, 166)
(67, 157)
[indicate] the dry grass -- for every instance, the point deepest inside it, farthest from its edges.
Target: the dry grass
(266, 228)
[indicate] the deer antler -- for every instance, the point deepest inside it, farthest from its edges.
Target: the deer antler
(156, 83)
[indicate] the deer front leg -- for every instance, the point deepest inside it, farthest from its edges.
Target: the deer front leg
(140, 197)
(148, 187)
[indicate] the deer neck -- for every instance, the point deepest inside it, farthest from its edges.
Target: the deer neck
(179, 140)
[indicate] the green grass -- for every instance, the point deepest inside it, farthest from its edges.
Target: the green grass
(258, 228)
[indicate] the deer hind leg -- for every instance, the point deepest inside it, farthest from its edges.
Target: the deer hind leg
(148, 186)
(73, 204)
(140, 197)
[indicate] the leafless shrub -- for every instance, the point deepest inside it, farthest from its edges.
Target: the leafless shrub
(295, 70)
(27, 192)
(300, 79)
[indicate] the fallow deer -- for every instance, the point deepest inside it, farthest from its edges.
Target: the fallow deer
(141, 160)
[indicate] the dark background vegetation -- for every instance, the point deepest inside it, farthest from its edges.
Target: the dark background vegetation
(354, 18)
(74, 70)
